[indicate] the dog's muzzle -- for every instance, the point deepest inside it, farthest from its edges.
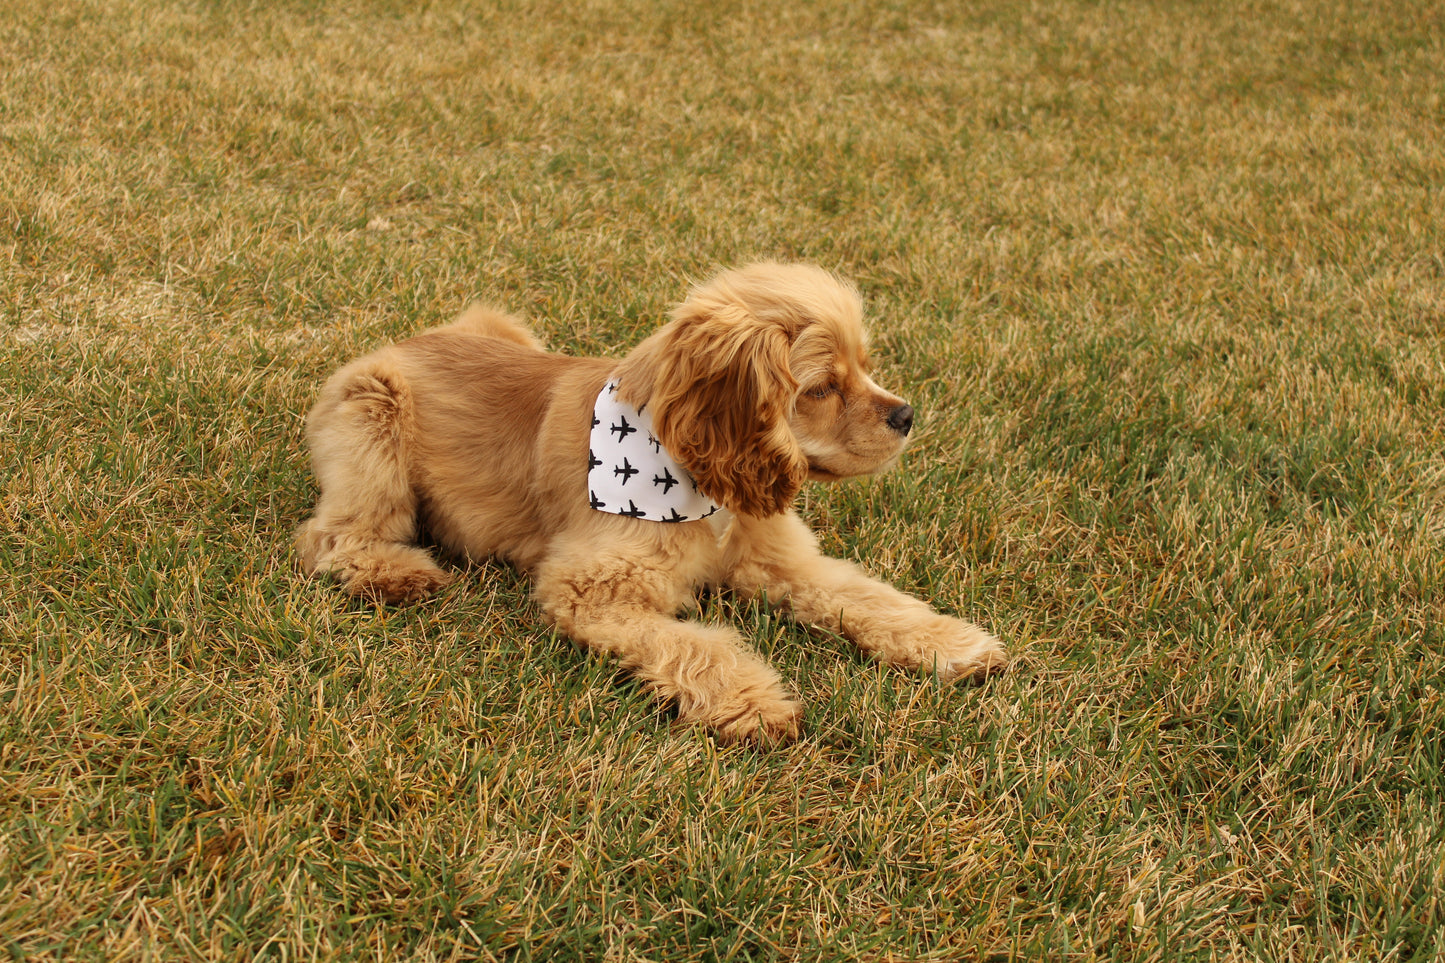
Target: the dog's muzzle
(900, 419)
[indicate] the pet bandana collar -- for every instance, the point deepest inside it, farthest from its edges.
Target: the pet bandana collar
(629, 473)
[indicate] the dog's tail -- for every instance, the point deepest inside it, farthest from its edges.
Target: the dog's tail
(489, 322)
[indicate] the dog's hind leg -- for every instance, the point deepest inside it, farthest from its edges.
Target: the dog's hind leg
(364, 529)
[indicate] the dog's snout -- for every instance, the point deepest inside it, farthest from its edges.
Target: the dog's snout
(900, 419)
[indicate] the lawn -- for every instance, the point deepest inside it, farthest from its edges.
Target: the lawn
(1163, 280)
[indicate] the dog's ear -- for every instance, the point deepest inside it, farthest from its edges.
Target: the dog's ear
(718, 385)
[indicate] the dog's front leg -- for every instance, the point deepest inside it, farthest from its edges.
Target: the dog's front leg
(779, 557)
(708, 672)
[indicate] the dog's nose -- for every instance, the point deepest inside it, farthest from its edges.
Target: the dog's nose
(900, 419)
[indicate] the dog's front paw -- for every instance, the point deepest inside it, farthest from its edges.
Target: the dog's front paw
(956, 649)
(398, 586)
(395, 574)
(769, 717)
(770, 725)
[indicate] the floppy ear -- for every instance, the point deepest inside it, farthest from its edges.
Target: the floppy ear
(717, 383)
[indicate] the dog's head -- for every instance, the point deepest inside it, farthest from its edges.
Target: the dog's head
(761, 381)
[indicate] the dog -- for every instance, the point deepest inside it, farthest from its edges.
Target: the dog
(496, 448)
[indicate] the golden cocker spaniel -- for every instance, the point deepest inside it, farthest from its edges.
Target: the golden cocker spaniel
(499, 448)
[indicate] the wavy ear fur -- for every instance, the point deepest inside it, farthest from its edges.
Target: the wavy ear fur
(718, 384)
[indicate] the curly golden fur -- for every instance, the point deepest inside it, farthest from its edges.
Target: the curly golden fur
(759, 382)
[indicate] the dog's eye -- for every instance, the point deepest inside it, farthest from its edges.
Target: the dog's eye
(822, 391)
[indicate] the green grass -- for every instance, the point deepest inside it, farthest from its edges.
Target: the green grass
(1164, 281)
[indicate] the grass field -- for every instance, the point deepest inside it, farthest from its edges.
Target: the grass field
(1164, 280)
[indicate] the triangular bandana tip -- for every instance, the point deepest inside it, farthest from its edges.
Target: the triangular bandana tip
(630, 473)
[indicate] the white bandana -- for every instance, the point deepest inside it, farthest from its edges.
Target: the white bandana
(629, 473)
